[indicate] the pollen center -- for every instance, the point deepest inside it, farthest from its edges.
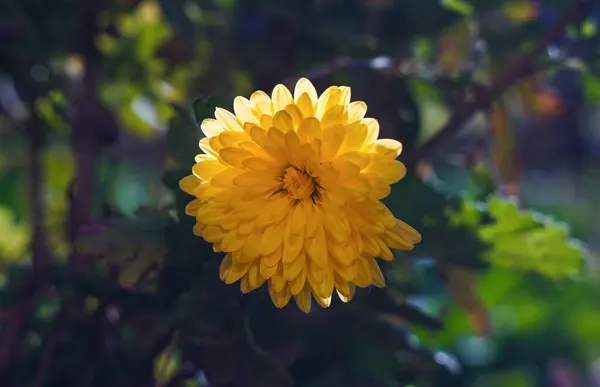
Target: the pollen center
(299, 184)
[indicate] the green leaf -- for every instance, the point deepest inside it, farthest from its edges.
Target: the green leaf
(520, 11)
(14, 237)
(166, 364)
(204, 107)
(529, 241)
(444, 221)
(589, 29)
(591, 86)
(182, 138)
(432, 108)
(458, 6)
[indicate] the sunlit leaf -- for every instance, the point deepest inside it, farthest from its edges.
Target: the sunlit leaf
(521, 11)
(591, 86)
(528, 241)
(166, 364)
(589, 29)
(433, 111)
(14, 237)
(459, 6)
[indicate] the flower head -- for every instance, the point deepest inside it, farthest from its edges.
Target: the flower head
(289, 187)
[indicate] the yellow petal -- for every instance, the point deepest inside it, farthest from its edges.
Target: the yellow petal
(305, 86)
(377, 274)
(262, 103)
(334, 116)
(236, 272)
(225, 267)
(283, 121)
(387, 147)
(266, 121)
(296, 114)
(192, 207)
(293, 269)
(215, 144)
(298, 283)
(257, 163)
(255, 280)
(392, 172)
(235, 156)
(204, 145)
(329, 98)
(384, 251)
(346, 95)
(189, 183)
(243, 109)
(271, 239)
(258, 135)
(306, 105)
(363, 273)
(280, 299)
(251, 248)
(277, 281)
(332, 141)
(292, 246)
(309, 129)
(356, 111)
(229, 139)
(372, 130)
(346, 297)
(407, 230)
(206, 170)
(355, 138)
(228, 120)
(224, 179)
(254, 178)
(304, 299)
(281, 97)
(211, 127)
(323, 301)
(317, 247)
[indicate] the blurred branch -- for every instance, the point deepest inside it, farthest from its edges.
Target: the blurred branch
(92, 126)
(521, 67)
(57, 326)
(10, 332)
(40, 256)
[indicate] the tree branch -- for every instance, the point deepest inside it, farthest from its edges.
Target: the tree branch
(26, 293)
(521, 67)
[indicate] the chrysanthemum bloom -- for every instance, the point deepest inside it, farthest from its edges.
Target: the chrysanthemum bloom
(289, 188)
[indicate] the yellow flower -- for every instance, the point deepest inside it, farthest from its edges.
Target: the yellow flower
(289, 188)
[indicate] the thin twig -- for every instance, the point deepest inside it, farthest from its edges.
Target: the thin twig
(520, 68)
(40, 258)
(10, 332)
(40, 376)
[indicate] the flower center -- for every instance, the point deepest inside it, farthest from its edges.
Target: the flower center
(299, 184)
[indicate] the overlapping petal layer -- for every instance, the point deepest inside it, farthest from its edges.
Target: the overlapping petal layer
(289, 187)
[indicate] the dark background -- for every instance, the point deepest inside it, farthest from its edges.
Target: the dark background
(496, 102)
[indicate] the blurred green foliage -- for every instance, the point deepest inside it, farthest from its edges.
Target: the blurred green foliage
(493, 295)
